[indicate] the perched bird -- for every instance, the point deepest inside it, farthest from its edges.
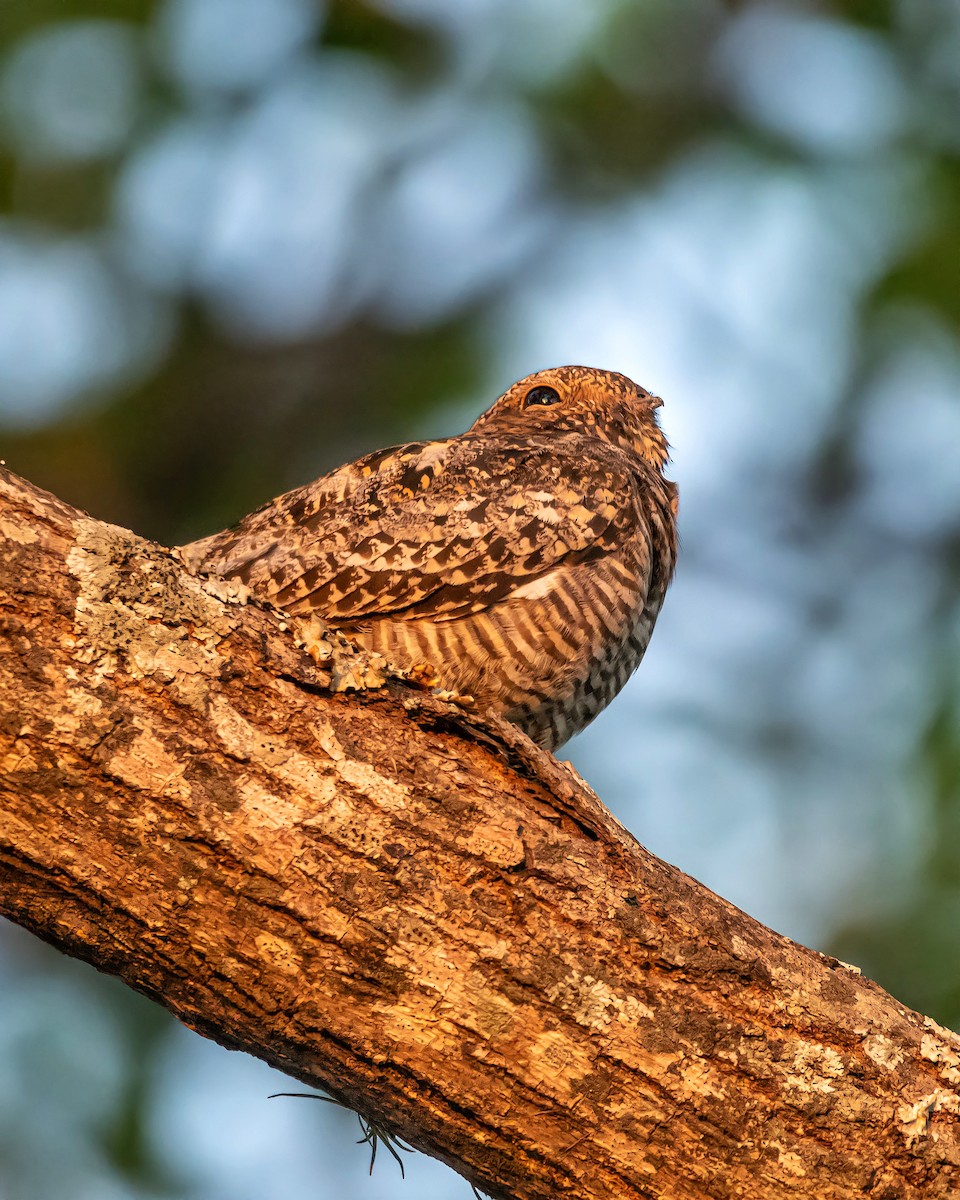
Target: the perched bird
(524, 561)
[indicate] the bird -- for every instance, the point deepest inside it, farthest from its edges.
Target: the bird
(520, 565)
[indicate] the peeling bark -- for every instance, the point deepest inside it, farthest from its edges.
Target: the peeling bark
(415, 909)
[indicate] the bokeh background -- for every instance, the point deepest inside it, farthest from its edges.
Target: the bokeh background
(242, 241)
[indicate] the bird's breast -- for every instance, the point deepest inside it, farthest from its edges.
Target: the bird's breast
(549, 656)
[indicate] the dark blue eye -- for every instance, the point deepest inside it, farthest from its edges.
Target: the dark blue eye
(541, 395)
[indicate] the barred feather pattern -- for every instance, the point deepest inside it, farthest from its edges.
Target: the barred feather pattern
(524, 561)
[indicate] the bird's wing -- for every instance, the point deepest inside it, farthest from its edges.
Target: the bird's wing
(435, 529)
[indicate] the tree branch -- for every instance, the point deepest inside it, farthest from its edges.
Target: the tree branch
(416, 910)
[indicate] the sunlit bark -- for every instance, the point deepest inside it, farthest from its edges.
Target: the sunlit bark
(416, 910)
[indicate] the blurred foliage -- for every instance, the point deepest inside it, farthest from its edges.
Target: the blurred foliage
(471, 154)
(913, 950)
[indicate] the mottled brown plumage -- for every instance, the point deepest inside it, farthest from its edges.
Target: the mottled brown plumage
(525, 560)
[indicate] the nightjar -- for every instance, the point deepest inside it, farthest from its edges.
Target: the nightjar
(525, 561)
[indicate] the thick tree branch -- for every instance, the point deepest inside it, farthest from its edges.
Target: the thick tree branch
(418, 911)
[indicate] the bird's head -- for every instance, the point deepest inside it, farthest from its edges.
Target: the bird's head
(601, 404)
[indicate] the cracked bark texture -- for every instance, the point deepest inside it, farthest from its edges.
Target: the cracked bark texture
(416, 910)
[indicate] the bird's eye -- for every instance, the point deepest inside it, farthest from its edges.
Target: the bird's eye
(541, 395)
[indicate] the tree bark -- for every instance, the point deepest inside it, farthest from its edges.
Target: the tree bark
(410, 906)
